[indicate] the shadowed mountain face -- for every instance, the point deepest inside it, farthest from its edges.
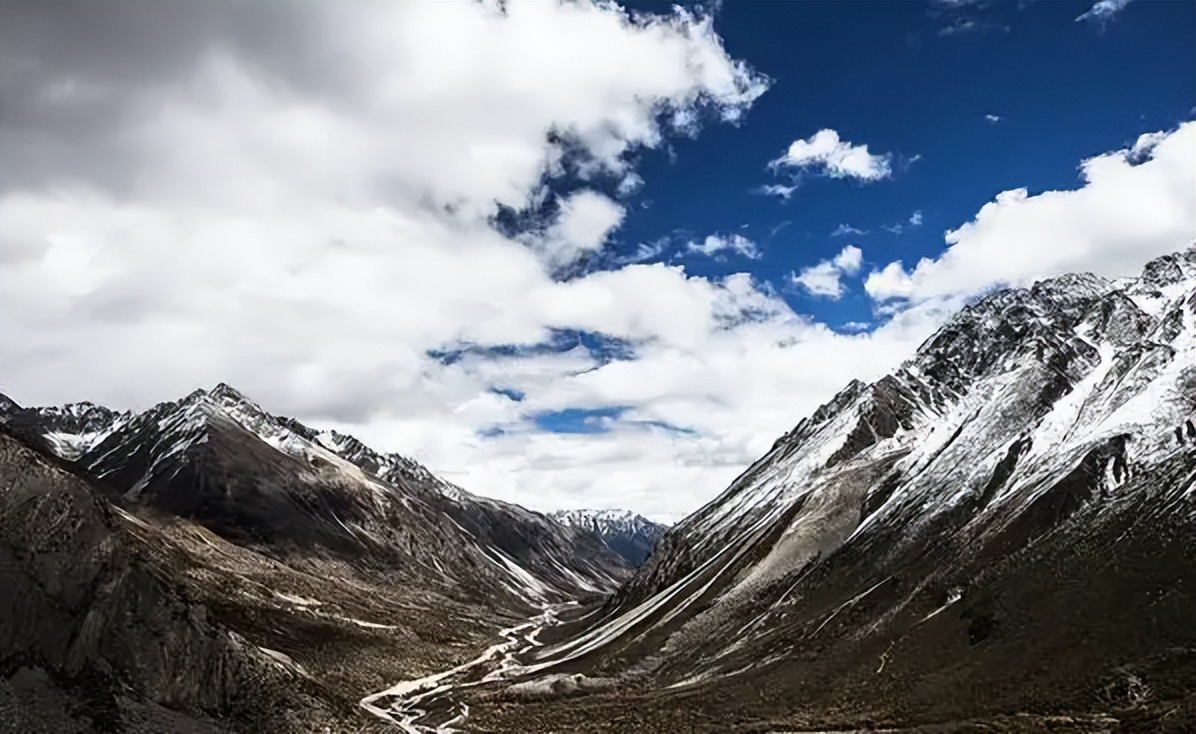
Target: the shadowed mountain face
(99, 630)
(217, 458)
(998, 533)
(630, 535)
(205, 564)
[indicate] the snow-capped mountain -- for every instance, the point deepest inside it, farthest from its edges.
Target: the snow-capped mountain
(1004, 524)
(206, 560)
(218, 457)
(997, 536)
(630, 535)
(70, 429)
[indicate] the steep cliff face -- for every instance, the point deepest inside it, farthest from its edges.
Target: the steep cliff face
(1002, 525)
(97, 629)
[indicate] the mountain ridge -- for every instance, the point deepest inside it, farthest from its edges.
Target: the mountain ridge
(140, 455)
(629, 534)
(931, 525)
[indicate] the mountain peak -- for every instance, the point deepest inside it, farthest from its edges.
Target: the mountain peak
(224, 391)
(1170, 269)
(1031, 451)
(629, 534)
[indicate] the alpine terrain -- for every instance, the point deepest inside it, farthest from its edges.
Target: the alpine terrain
(205, 565)
(997, 536)
(630, 535)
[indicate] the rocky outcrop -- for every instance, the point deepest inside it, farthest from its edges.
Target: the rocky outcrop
(95, 617)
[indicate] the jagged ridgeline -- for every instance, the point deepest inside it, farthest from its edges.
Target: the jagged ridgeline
(630, 535)
(205, 562)
(998, 536)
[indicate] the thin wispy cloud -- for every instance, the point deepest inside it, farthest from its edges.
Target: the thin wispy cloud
(645, 251)
(780, 191)
(962, 26)
(1103, 12)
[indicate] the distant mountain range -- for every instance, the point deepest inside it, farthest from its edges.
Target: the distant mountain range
(997, 536)
(630, 535)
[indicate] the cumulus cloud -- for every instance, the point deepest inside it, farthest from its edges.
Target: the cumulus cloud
(992, 119)
(584, 221)
(1134, 204)
(237, 192)
(734, 394)
(203, 192)
(826, 278)
(822, 279)
(717, 244)
(849, 259)
(825, 152)
(915, 219)
(1104, 11)
(855, 326)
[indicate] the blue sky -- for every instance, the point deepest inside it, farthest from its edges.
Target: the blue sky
(525, 243)
(886, 74)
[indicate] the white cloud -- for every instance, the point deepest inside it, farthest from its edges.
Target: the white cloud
(915, 219)
(826, 278)
(649, 250)
(889, 282)
(849, 259)
(823, 279)
(1104, 11)
(846, 229)
(1134, 204)
(855, 327)
(994, 119)
(306, 215)
(824, 151)
(724, 391)
(717, 244)
(584, 221)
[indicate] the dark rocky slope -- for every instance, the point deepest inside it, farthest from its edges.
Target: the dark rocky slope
(996, 537)
(205, 565)
(98, 631)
